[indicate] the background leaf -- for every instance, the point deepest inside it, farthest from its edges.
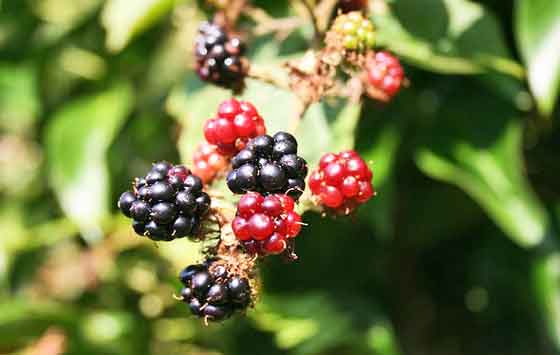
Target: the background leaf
(78, 137)
(480, 151)
(459, 36)
(19, 97)
(123, 21)
(537, 27)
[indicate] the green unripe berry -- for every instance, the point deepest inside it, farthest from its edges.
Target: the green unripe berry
(349, 28)
(355, 31)
(370, 39)
(350, 42)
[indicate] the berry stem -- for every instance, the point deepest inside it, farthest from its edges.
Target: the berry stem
(323, 13)
(266, 76)
(266, 24)
(317, 34)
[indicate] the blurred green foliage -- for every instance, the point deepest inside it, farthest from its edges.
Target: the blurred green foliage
(458, 253)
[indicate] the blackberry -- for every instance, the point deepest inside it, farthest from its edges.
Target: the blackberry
(341, 182)
(213, 292)
(220, 56)
(269, 165)
(264, 225)
(346, 6)
(167, 203)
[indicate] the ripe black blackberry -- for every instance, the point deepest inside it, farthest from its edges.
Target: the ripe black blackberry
(269, 165)
(167, 203)
(220, 57)
(213, 292)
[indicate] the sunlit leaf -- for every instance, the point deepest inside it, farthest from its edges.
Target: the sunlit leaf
(124, 20)
(78, 137)
(307, 323)
(380, 155)
(537, 28)
(546, 273)
(476, 144)
(459, 36)
(19, 97)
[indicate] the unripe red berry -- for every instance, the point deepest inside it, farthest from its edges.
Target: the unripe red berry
(263, 224)
(293, 224)
(236, 122)
(229, 108)
(241, 229)
(385, 73)
(341, 182)
(331, 196)
(250, 204)
(208, 162)
(272, 206)
(275, 244)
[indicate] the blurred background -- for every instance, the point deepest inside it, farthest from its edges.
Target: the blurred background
(458, 253)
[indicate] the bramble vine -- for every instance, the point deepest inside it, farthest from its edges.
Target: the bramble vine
(172, 201)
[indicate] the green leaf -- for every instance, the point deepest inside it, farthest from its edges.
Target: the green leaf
(537, 27)
(382, 339)
(307, 323)
(381, 156)
(19, 97)
(124, 20)
(78, 137)
(546, 277)
(480, 151)
(459, 36)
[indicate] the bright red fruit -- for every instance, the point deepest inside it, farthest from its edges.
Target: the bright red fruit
(385, 73)
(341, 182)
(235, 123)
(263, 224)
(208, 162)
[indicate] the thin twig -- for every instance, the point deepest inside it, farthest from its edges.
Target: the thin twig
(323, 14)
(266, 24)
(233, 10)
(317, 31)
(265, 75)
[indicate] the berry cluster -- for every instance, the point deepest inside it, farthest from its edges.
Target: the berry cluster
(269, 165)
(342, 181)
(208, 162)
(263, 224)
(385, 73)
(352, 5)
(355, 31)
(167, 203)
(236, 122)
(219, 57)
(212, 292)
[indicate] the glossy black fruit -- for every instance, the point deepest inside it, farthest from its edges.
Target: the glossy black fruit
(125, 202)
(219, 57)
(163, 212)
(211, 292)
(167, 203)
(269, 165)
